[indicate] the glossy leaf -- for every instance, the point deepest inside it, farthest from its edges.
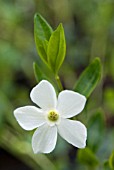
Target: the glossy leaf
(111, 161)
(39, 75)
(43, 73)
(56, 49)
(87, 157)
(42, 33)
(89, 78)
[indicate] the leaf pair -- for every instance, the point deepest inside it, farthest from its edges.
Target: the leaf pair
(51, 45)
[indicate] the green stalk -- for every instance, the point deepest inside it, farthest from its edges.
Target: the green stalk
(59, 82)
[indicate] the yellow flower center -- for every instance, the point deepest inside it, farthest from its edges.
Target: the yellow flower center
(53, 115)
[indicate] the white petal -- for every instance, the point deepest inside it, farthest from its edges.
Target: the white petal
(74, 132)
(44, 139)
(44, 95)
(70, 103)
(29, 117)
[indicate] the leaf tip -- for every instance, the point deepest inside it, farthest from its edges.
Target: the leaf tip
(97, 60)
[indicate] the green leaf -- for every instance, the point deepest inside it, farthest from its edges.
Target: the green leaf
(106, 165)
(96, 128)
(56, 49)
(42, 33)
(111, 161)
(89, 78)
(43, 73)
(38, 73)
(87, 157)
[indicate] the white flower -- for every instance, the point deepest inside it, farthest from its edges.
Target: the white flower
(52, 116)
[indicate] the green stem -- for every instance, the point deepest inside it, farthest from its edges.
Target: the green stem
(59, 82)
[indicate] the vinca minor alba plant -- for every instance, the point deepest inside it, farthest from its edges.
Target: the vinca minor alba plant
(53, 113)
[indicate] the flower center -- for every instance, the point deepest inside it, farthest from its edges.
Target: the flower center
(53, 115)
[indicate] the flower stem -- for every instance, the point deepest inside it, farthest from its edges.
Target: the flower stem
(59, 82)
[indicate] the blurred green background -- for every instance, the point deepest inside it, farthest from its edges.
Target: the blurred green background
(89, 31)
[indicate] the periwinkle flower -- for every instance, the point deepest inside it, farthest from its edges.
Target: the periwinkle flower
(52, 117)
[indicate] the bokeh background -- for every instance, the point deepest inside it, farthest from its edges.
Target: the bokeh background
(89, 31)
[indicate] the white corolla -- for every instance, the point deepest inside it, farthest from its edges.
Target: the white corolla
(52, 117)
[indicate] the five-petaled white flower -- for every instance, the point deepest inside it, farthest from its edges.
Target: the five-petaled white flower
(52, 116)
